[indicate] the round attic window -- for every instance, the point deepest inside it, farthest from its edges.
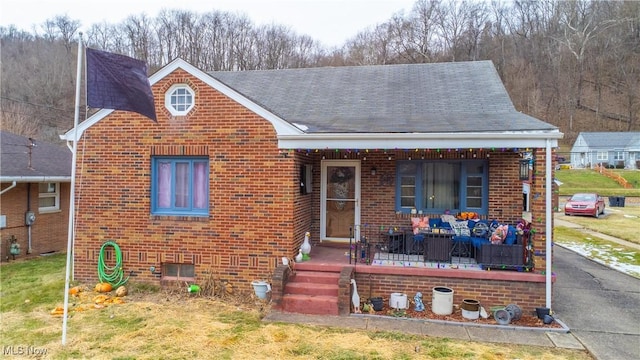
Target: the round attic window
(179, 100)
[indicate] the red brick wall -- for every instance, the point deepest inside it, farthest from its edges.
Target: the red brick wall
(48, 232)
(490, 292)
(538, 208)
(378, 191)
(256, 215)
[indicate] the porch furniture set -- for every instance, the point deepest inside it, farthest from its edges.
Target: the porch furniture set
(488, 243)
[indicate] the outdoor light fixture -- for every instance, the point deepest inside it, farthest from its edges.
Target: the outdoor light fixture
(373, 171)
(524, 169)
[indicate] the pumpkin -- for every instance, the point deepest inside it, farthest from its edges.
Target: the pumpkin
(57, 311)
(101, 299)
(103, 287)
(75, 290)
(121, 291)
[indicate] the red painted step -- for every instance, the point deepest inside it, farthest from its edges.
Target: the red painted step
(312, 292)
(316, 277)
(310, 304)
(311, 288)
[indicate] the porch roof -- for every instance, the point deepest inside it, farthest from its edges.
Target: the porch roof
(438, 105)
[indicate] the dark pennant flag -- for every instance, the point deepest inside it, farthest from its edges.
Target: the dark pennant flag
(118, 82)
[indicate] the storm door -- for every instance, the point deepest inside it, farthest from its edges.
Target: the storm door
(340, 199)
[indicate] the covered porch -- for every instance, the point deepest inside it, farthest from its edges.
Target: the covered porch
(333, 261)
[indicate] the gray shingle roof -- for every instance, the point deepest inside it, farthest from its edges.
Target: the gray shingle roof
(407, 98)
(47, 160)
(611, 140)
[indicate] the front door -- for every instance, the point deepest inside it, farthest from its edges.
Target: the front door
(340, 199)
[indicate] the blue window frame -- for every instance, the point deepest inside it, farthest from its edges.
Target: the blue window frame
(437, 186)
(180, 186)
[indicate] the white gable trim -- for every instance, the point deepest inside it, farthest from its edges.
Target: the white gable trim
(281, 126)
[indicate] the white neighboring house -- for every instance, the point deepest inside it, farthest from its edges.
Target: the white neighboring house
(611, 149)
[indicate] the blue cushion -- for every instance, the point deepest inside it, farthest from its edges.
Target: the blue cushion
(511, 236)
(435, 222)
(462, 239)
(477, 242)
(480, 229)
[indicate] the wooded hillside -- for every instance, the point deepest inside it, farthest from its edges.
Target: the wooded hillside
(575, 64)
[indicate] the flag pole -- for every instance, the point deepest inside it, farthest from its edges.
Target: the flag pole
(72, 200)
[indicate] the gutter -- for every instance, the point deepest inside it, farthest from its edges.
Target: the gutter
(9, 188)
(450, 140)
(27, 179)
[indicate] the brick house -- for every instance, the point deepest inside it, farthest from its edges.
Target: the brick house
(35, 178)
(241, 164)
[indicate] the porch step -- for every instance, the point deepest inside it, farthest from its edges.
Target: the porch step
(316, 277)
(312, 292)
(311, 289)
(310, 304)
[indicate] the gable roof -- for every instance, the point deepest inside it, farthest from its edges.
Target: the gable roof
(407, 98)
(447, 105)
(610, 140)
(49, 162)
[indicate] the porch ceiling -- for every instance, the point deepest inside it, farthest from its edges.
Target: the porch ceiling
(453, 140)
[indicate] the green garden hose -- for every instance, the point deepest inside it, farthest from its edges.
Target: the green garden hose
(107, 274)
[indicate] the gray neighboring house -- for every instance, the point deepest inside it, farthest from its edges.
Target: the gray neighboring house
(35, 179)
(612, 149)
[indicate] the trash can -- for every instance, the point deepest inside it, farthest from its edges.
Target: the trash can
(616, 201)
(613, 201)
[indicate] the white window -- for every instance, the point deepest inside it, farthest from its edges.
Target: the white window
(618, 155)
(48, 197)
(179, 100)
(602, 156)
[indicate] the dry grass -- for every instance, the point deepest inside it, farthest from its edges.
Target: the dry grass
(170, 325)
(619, 222)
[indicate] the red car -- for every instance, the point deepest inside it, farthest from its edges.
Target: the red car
(585, 204)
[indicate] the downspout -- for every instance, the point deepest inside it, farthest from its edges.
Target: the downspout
(28, 225)
(549, 227)
(13, 184)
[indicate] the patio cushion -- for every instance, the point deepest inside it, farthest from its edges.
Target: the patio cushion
(434, 222)
(480, 229)
(511, 236)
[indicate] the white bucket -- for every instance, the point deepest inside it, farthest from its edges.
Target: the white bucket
(261, 288)
(471, 315)
(470, 309)
(442, 302)
(398, 301)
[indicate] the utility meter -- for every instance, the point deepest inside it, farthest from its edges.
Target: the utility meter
(29, 218)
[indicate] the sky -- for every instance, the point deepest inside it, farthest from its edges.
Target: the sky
(331, 22)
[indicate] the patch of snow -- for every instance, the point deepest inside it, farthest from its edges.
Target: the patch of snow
(602, 254)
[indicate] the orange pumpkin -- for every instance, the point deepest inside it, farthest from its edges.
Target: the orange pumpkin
(75, 290)
(103, 287)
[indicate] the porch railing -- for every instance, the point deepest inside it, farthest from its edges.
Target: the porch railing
(397, 244)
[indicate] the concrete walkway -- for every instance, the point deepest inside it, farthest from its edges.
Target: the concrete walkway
(452, 330)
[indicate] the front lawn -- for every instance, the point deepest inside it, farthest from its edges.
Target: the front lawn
(175, 325)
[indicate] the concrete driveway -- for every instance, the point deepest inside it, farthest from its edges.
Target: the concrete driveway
(600, 305)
